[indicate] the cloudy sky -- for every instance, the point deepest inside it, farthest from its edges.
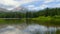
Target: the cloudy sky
(30, 4)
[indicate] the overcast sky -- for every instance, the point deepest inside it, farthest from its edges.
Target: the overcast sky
(30, 4)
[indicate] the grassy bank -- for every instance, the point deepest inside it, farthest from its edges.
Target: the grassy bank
(11, 21)
(55, 20)
(45, 20)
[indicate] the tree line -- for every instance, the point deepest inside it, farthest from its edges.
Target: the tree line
(31, 14)
(45, 12)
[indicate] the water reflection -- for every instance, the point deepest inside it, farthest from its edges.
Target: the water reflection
(30, 29)
(33, 29)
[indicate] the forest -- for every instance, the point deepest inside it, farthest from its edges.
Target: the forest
(31, 14)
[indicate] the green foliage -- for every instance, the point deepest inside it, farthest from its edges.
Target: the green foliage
(11, 21)
(30, 14)
(11, 15)
(45, 16)
(45, 20)
(45, 12)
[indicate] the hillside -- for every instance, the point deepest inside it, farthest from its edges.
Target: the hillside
(45, 12)
(29, 14)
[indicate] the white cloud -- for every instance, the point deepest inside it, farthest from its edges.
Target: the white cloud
(30, 6)
(43, 6)
(9, 3)
(48, 1)
(57, 0)
(57, 5)
(33, 7)
(26, 1)
(15, 3)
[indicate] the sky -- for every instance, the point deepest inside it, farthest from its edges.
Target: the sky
(30, 4)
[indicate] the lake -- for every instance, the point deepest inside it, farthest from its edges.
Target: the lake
(29, 29)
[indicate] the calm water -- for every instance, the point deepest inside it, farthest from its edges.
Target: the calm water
(28, 29)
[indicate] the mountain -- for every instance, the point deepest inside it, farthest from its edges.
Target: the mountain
(3, 10)
(17, 9)
(20, 9)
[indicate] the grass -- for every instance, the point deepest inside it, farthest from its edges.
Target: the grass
(11, 21)
(55, 20)
(58, 32)
(46, 20)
